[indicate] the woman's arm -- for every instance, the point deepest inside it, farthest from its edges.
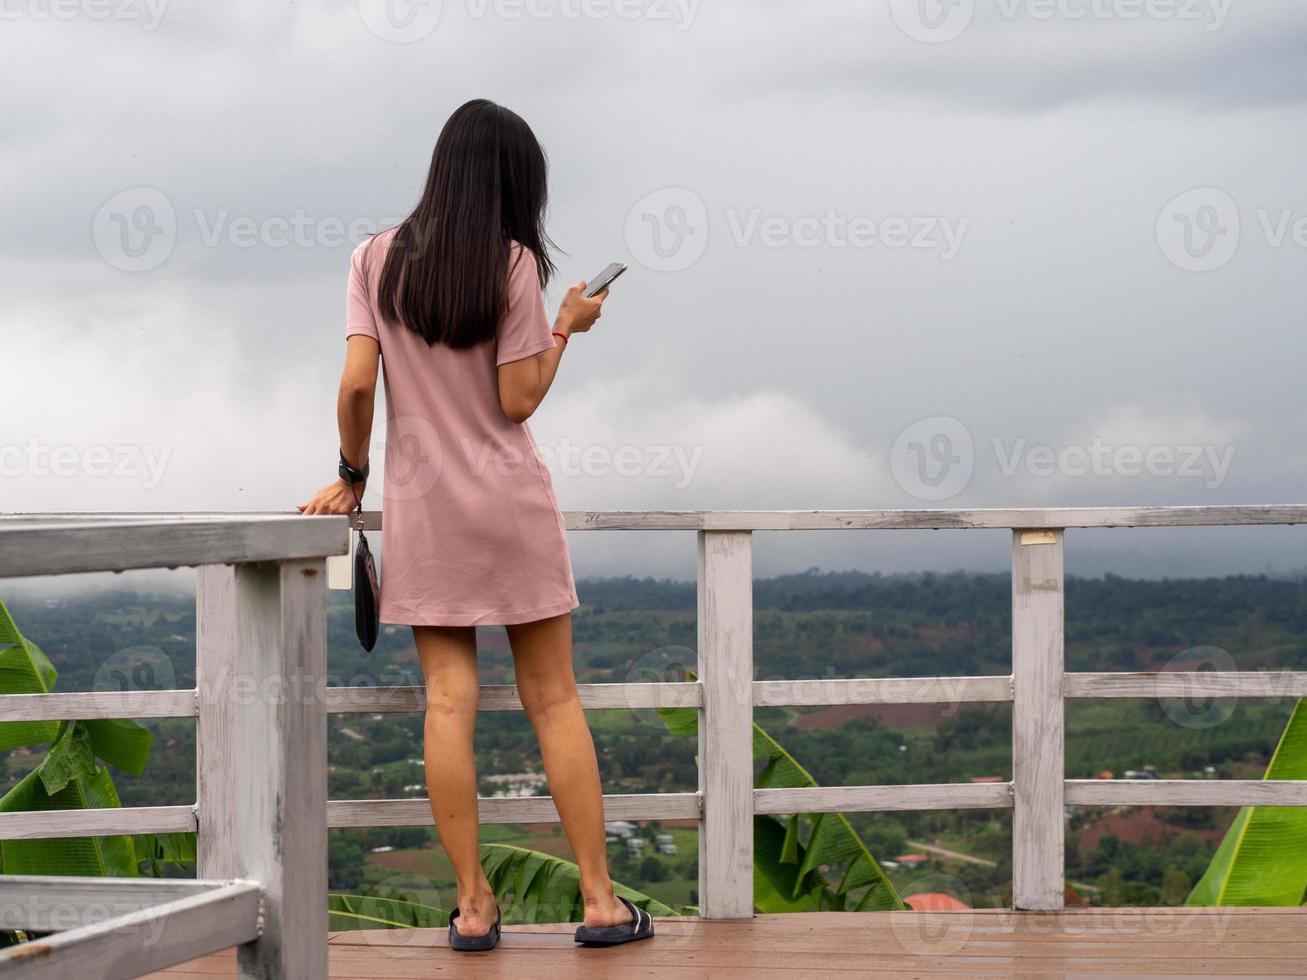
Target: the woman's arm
(354, 408)
(357, 398)
(523, 384)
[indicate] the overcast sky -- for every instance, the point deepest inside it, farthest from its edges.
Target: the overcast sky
(883, 254)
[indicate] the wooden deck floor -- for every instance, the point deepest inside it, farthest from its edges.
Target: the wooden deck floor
(1088, 942)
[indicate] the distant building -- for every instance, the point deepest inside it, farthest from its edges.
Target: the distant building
(988, 779)
(934, 902)
(1105, 774)
(911, 860)
(516, 784)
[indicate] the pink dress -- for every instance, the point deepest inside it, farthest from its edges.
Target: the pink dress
(472, 535)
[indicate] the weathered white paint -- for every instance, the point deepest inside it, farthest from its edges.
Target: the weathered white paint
(999, 518)
(1052, 518)
(98, 704)
(416, 812)
(144, 940)
(858, 799)
(261, 666)
(1188, 684)
(725, 666)
(1038, 764)
(1187, 792)
(38, 824)
(1029, 518)
(57, 547)
(948, 691)
(51, 903)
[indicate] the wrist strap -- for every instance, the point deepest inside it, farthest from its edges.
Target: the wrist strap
(559, 333)
(351, 475)
(354, 479)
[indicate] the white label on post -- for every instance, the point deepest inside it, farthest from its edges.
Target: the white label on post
(1037, 537)
(340, 568)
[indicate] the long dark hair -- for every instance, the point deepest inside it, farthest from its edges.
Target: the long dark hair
(446, 271)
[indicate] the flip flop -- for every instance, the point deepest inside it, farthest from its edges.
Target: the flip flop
(640, 927)
(473, 944)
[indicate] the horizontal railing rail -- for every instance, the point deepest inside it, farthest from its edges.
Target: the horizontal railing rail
(255, 618)
(32, 545)
(154, 924)
(926, 519)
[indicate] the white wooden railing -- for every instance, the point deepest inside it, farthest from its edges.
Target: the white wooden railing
(262, 813)
(261, 800)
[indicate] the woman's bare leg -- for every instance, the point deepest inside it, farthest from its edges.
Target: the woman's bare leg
(449, 664)
(542, 657)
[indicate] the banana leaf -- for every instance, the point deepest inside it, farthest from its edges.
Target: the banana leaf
(67, 778)
(796, 866)
(69, 758)
(546, 888)
(24, 669)
(778, 883)
(347, 912)
(1263, 858)
(120, 742)
(158, 850)
(102, 856)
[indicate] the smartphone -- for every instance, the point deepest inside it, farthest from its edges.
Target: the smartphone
(605, 279)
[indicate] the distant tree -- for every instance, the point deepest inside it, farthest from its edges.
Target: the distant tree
(652, 869)
(1175, 886)
(1112, 887)
(344, 861)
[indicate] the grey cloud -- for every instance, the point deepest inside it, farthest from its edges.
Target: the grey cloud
(1059, 145)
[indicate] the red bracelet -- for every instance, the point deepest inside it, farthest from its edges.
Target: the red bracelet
(558, 333)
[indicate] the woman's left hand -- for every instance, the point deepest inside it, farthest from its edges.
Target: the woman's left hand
(334, 498)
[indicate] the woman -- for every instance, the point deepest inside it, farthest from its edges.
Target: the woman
(450, 302)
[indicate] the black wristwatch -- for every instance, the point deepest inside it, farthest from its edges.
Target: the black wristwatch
(351, 475)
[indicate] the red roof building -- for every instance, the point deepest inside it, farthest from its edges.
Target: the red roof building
(934, 902)
(911, 859)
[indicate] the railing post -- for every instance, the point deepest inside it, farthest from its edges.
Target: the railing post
(1038, 762)
(262, 740)
(725, 664)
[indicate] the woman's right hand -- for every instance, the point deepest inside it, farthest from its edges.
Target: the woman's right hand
(578, 314)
